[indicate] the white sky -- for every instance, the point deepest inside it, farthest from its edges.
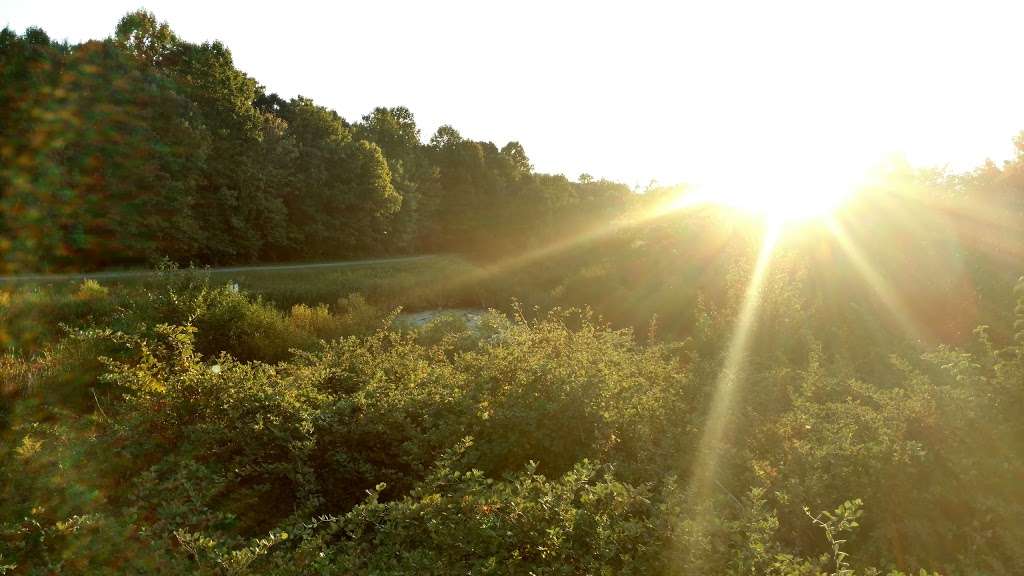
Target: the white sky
(634, 90)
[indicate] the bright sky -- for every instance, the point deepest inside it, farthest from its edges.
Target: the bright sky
(634, 91)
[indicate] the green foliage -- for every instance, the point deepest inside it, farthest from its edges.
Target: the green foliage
(844, 519)
(147, 146)
(582, 439)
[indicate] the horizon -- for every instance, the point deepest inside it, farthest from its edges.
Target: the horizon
(753, 100)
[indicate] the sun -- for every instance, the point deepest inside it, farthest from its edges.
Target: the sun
(793, 180)
(774, 201)
(785, 194)
(786, 203)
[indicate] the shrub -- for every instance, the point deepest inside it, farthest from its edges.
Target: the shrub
(247, 329)
(582, 460)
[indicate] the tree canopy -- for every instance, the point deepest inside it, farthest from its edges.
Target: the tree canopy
(145, 146)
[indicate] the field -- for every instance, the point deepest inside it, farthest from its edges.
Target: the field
(292, 426)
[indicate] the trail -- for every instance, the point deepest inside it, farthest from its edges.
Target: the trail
(226, 269)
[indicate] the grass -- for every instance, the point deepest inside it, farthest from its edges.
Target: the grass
(414, 284)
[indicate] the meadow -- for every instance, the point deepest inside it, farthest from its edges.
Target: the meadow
(287, 423)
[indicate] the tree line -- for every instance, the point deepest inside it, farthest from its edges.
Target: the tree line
(145, 146)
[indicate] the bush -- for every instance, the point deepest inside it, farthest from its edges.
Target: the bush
(318, 445)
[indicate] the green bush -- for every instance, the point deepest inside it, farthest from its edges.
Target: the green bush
(216, 434)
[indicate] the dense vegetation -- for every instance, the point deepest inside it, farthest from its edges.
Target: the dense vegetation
(599, 419)
(175, 424)
(144, 146)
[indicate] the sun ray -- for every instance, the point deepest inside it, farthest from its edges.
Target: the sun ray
(885, 292)
(678, 203)
(705, 469)
(984, 226)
